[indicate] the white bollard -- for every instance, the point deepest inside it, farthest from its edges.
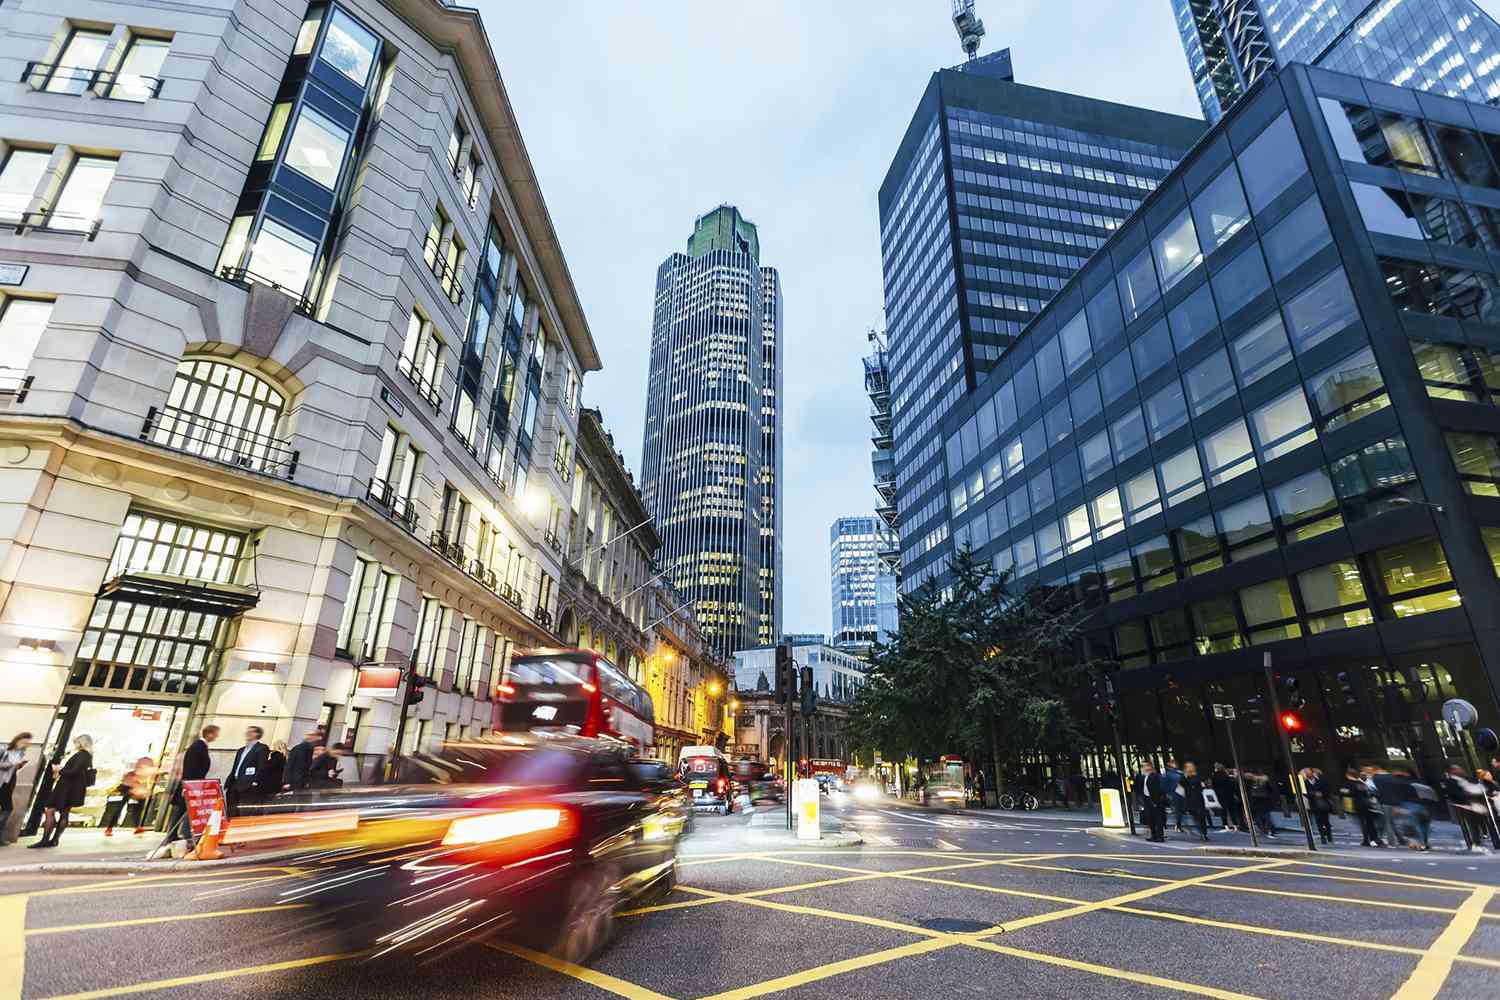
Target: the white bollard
(1109, 806)
(807, 809)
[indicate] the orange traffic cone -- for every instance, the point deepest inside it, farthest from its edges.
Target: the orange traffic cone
(208, 844)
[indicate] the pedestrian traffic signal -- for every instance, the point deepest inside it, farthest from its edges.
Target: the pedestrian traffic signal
(1294, 692)
(1291, 722)
(416, 687)
(1346, 685)
(1254, 711)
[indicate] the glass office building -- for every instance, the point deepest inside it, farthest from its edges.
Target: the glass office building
(711, 461)
(1449, 47)
(863, 588)
(998, 193)
(1263, 419)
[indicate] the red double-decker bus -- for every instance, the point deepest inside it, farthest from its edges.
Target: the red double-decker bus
(576, 690)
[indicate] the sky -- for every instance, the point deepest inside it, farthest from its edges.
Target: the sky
(641, 116)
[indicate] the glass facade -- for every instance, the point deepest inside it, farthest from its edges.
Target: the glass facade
(999, 193)
(1441, 46)
(863, 587)
(1261, 419)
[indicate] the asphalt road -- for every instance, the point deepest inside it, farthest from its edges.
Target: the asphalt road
(933, 905)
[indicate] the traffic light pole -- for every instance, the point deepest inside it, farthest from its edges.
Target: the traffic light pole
(1239, 776)
(1286, 749)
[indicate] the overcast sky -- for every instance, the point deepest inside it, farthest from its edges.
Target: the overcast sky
(640, 116)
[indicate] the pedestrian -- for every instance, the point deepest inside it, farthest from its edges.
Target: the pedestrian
(1153, 797)
(1172, 777)
(1465, 798)
(979, 789)
(1422, 797)
(193, 764)
(70, 785)
(1365, 807)
(275, 772)
(299, 762)
(1190, 792)
(1391, 793)
(12, 761)
(1263, 797)
(1228, 794)
(1319, 802)
(245, 773)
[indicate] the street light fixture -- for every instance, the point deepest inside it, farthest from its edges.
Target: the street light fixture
(1403, 501)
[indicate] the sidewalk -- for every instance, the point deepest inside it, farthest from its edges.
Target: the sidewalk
(91, 851)
(1445, 838)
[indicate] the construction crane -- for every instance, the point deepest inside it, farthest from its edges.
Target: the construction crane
(969, 27)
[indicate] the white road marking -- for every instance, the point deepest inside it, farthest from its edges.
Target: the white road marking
(943, 845)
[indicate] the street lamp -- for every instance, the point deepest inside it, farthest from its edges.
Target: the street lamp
(714, 688)
(1404, 501)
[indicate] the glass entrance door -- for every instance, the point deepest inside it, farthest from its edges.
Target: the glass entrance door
(125, 734)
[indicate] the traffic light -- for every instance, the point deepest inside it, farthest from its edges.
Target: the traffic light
(1254, 710)
(1291, 722)
(1293, 692)
(809, 692)
(1346, 685)
(1103, 700)
(416, 687)
(786, 676)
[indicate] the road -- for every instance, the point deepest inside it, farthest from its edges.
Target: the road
(933, 904)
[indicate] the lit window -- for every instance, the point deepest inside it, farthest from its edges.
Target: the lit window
(1142, 498)
(1415, 578)
(307, 34)
(1197, 546)
(317, 147)
(1260, 350)
(78, 205)
(270, 141)
(22, 323)
(1247, 528)
(1334, 597)
(1348, 390)
(148, 543)
(19, 178)
(224, 414)
(80, 57)
(1477, 458)
(1227, 453)
(1283, 425)
(1269, 612)
(1181, 476)
(1219, 210)
(282, 257)
(1176, 250)
(139, 74)
(1306, 507)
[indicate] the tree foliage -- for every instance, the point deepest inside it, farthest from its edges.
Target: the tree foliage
(976, 669)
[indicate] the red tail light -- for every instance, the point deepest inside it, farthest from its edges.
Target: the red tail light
(506, 689)
(721, 786)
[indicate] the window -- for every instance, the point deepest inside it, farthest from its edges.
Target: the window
(1074, 339)
(1015, 459)
(1027, 394)
(422, 357)
(1305, 507)
(82, 196)
(307, 34)
(1171, 638)
(432, 639)
(1176, 250)
(1477, 458)
(1209, 383)
(1116, 377)
(1095, 455)
(1019, 506)
(22, 323)
(1216, 629)
(1131, 645)
(80, 56)
(1181, 476)
(1320, 312)
(1375, 479)
(1154, 563)
(456, 140)
(1246, 528)
(1119, 576)
(367, 607)
(433, 243)
(1441, 291)
(1197, 546)
(960, 497)
(1219, 210)
(994, 473)
(1270, 163)
(1260, 350)
(1296, 238)
(1269, 612)
(139, 74)
(20, 176)
(1142, 499)
(224, 414)
(1348, 390)
(1049, 543)
(1283, 425)
(1227, 453)
(1024, 553)
(1049, 366)
(986, 424)
(1166, 411)
(349, 48)
(1491, 536)
(1415, 578)
(1192, 318)
(1402, 213)
(270, 140)
(1334, 597)
(1458, 372)
(317, 147)
(1108, 514)
(1240, 281)
(1041, 491)
(1151, 349)
(148, 543)
(1138, 287)
(1128, 434)
(1085, 400)
(1105, 321)
(468, 650)
(136, 647)
(282, 258)
(1076, 530)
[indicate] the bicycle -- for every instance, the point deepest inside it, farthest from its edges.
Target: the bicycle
(1019, 800)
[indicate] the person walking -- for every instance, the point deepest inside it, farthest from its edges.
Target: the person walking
(1172, 778)
(70, 785)
(1319, 802)
(1365, 807)
(12, 761)
(192, 765)
(275, 772)
(1190, 792)
(1153, 796)
(245, 773)
(299, 762)
(1263, 797)
(1391, 793)
(979, 788)
(1464, 796)
(1228, 794)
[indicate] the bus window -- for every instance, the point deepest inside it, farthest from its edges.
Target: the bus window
(546, 671)
(616, 685)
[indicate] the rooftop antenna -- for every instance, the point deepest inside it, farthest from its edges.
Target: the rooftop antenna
(969, 27)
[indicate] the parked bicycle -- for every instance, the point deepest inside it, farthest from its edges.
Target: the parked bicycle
(1018, 798)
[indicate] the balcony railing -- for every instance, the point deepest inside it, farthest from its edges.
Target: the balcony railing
(452, 282)
(479, 571)
(510, 595)
(116, 85)
(383, 497)
(542, 617)
(408, 367)
(449, 549)
(46, 221)
(15, 383)
(219, 441)
(563, 468)
(554, 541)
(244, 277)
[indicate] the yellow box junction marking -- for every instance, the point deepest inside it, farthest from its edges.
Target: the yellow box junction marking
(1432, 971)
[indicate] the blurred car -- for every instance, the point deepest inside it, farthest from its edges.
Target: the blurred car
(754, 779)
(706, 771)
(866, 790)
(541, 835)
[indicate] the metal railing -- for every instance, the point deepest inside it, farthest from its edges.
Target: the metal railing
(449, 549)
(510, 595)
(219, 441)
(15, 383)
(383, 497)
(42, 75)
(48, 221)
(554, 541)
(408, 367)
(244, 277)
(432, 252)
(563, 468)
(542, 617)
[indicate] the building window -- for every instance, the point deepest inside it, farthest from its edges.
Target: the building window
(1209, 383)
(82, 197)
(224, 414)
(1467, 373)
(1176, 250)
(270, 140)
(1197, 545)
(1320, 312)
(139, 75)
(421, 358)
(137, 647)
(1440, 291)
(1415, 579)
(1154, 563)
(148, 543)
(1227, 453)
(1219, 210)
(1260, 350)
(22, 323)
(467, 654)
(1296, 238)
(456, 140)
(1375, 479)
(317, 147)
(432, 637)
(349, 48)
(1348, 390)
(20, 176)
(1272, 162)
(1246, 528)
(281, 258)
(1477, 458)
(1270, 614)
(1283, 425)
(1334, 597)
(367, 607)
(76, 64)
(1181, 476)
(1306, 507)
(1216, 628)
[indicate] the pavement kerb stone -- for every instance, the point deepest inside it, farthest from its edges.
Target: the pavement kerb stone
(139, 866)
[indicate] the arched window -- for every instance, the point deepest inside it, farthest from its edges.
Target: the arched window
(224, 414)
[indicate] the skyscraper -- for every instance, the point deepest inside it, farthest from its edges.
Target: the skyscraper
(860, 581)
(711, 462)
(997, 195)
(1441, 46)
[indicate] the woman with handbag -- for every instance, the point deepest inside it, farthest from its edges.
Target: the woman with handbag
(70, 784)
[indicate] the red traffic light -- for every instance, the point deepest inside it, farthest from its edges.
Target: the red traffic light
(1291, 722)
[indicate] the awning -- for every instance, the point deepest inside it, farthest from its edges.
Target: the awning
(181, 593)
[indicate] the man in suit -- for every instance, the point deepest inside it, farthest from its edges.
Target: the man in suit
(1154, 801)
(243, 783)
(299, 761)
(195, 764)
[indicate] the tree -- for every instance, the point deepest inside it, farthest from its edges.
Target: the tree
(975, 667)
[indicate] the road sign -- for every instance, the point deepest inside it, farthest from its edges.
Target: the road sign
(1224, 712)
(204, 799)
(1460, 714)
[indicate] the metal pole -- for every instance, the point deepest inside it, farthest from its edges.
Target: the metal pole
(1120, 773)
(1286, 748)
(791, 747)
(1239, 776)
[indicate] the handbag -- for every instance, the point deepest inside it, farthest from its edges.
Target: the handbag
(90, 775)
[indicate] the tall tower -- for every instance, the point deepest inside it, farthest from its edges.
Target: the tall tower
(1441, 46)
(711, 460)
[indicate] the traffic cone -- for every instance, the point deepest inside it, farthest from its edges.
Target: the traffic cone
(208, 844)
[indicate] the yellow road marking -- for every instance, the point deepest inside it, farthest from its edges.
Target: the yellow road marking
(619, 987)
(1432, 971)
(1145, 978)
(813, 911)
(833, 969)
(150, 882)
(208, 977)
(138, 921)
(12, 946)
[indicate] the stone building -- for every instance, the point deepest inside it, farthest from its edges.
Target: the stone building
(292, 362)
(690, 685)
